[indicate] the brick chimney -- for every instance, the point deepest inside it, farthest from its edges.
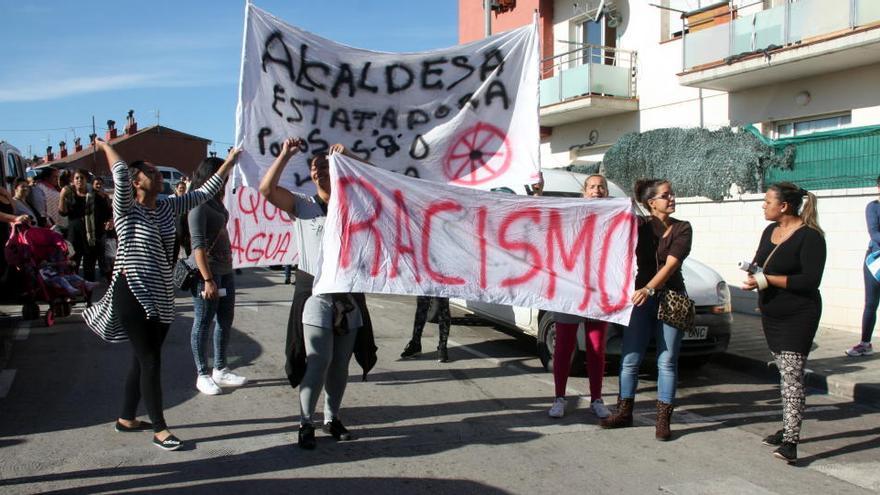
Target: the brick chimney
(131, 125)
(111, 130)
(50, 157)
(62, 149)
(77, 145)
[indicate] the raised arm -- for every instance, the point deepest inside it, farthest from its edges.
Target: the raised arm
(209, 189)
(269, 188)
(123, 195)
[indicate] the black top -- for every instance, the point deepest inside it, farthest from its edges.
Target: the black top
(76, 208)
(794, 311)
(103, 212)
(652, 249)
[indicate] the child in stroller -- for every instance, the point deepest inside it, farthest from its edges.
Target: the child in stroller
(42, 256)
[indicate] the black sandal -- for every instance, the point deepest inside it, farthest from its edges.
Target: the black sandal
(170, 443)
(141, 426)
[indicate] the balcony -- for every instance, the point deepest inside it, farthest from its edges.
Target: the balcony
(792, 41)
(588, 82)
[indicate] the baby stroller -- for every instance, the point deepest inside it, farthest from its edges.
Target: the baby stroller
(41, 257)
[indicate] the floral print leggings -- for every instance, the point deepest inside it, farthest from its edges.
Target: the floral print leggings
(791, 372)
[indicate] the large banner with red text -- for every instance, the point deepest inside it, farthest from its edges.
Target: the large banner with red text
(465, 115)
(391, 234)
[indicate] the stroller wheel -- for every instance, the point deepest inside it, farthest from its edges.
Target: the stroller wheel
(50, 318)
(30, 311)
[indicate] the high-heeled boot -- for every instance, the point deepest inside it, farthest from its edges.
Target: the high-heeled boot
(621, 418)
(664, 417)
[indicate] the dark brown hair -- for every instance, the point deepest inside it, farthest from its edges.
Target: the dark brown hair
(789, 192)
(646, 189)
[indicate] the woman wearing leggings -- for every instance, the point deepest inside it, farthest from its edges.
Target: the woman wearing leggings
(791, 255)
(139, 304)
(595, 187)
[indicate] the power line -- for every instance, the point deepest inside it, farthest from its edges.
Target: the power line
(66, 128)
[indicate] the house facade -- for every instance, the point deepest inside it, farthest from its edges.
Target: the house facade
(805, 73)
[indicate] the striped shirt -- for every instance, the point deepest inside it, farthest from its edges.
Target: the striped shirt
(145, 253)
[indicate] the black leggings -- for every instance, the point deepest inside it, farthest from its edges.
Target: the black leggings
(146, 337)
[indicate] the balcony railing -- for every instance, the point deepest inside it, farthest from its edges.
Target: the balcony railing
(589, 70)
(775, 28)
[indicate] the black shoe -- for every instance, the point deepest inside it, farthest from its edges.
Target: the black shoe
(411, 350)
(141, 426)
(307, 437)
(787, 452)
(170, 443)
(337, 430)
(442, 355)
(773, 440)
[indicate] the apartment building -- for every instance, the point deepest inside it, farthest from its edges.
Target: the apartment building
(804, 73)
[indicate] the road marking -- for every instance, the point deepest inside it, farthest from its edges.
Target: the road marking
(863, 474)
(724, 485)
(685, 416)
(534, 376)
(6, 378)
(23, 331)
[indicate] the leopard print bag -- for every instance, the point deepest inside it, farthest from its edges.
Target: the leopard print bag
(676, 309)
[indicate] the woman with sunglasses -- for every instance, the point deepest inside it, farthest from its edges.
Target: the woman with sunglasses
(663, 244)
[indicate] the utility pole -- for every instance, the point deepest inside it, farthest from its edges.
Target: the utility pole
(487, 17)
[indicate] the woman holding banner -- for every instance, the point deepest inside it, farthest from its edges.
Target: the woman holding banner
(139, 304)
(595, 187)
(663, 244)
(323, 330)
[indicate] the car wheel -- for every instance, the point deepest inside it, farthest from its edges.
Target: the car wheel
(30, 311)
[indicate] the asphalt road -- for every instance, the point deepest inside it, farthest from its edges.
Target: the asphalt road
(478, 424)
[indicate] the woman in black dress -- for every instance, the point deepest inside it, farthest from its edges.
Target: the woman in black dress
(791, 257)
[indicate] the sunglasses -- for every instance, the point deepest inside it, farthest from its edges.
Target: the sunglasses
(665, 196)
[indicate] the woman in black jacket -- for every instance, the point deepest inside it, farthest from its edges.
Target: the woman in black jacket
(790, 261)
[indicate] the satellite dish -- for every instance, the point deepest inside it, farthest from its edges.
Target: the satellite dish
(612, 21)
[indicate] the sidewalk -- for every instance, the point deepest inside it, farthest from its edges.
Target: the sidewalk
(828, 369)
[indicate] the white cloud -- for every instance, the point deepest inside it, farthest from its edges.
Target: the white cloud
(50, 88)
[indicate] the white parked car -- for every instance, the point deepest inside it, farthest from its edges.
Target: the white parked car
(705, 286)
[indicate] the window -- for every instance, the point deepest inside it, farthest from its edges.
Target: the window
(810, 125)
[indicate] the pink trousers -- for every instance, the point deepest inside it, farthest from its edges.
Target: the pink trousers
(566, 340)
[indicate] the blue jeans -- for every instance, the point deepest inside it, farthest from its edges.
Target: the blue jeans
(220, 312)
(643, 324)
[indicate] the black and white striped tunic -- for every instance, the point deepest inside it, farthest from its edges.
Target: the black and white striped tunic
(144, 253)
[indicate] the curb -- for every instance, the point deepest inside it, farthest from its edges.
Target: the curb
(861, 393)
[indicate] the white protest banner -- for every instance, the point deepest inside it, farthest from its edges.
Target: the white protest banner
(466, 115)
(259, 233)
(392, 234)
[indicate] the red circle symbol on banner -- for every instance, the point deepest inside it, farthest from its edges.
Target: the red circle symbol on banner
(478, 155)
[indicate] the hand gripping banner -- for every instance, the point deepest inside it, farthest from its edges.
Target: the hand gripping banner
(465, 115)
(392, 234)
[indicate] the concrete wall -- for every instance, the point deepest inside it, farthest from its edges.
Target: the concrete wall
(728, 232)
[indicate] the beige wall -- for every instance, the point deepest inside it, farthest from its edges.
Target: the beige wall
(728, 232)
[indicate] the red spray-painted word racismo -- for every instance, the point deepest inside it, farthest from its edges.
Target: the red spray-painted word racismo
(453, 242)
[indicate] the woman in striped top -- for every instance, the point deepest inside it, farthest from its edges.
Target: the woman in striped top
(139, 304)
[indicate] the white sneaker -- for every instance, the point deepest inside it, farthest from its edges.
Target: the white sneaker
(599, 409)
(860, 349)
(558, 409)
(226, 378)
(207, 386)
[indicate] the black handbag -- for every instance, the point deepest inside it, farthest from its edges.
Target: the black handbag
(184, 274)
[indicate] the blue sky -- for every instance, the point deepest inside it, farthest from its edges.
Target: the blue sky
(64, 61)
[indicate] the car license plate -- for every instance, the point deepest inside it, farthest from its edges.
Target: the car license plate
(697, 333)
